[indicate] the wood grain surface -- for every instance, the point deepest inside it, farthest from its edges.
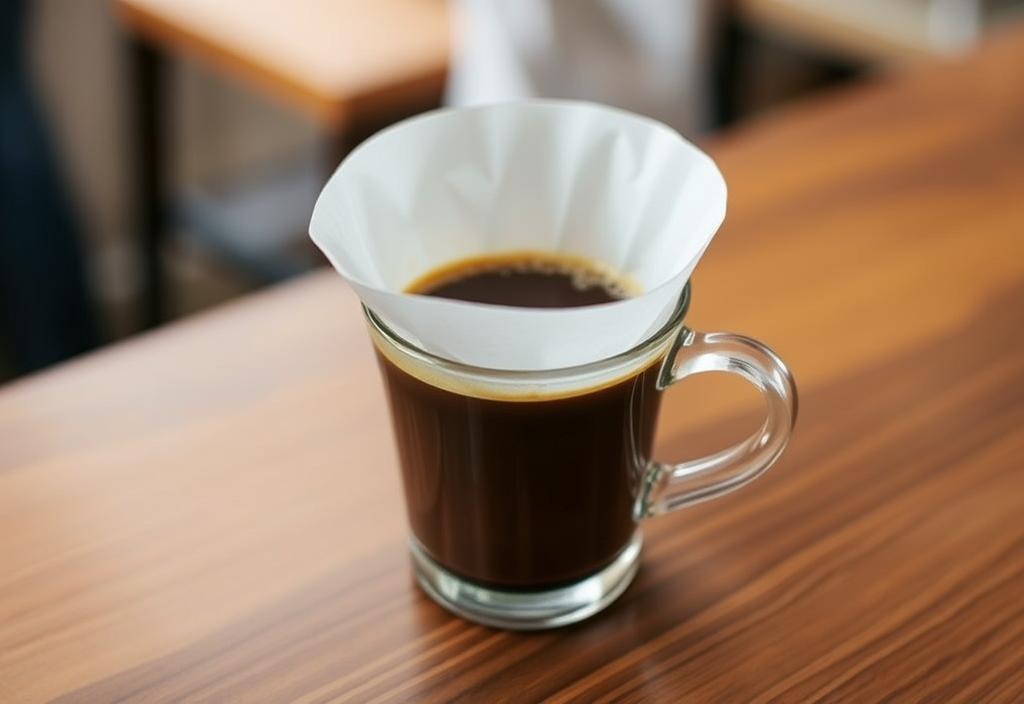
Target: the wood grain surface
(212, 512)
(332, 59)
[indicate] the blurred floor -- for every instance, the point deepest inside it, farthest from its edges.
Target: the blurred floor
(197, 280)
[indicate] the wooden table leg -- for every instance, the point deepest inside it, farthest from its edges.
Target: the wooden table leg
(149, 105)
(335, 146)
(727, 72)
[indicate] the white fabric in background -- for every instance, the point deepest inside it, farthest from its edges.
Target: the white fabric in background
(647, 56)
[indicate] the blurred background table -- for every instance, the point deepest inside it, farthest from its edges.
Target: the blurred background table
(212, 511)
(348, 65)
(879, 31)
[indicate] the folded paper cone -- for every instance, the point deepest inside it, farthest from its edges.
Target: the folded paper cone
(550, 176)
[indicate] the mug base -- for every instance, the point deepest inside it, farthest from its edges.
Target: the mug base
(525, 610)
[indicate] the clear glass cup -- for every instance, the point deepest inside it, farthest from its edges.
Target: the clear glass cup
(526, 490)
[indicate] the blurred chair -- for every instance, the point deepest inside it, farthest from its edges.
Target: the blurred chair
(348, 65)
(46, 311)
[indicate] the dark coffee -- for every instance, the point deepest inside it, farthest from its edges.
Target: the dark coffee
(522, 493)
(527, 280)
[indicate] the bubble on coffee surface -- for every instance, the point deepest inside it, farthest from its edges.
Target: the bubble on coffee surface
(584, 274)
(593, 279)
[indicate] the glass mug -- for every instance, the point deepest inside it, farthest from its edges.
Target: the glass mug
(525, 490)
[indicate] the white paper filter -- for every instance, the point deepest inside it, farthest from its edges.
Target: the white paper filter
(555, 176)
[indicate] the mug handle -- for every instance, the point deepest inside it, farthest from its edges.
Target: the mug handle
(666, 487)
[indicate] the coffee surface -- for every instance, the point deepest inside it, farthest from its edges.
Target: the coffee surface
(528, 280)
(513, 493)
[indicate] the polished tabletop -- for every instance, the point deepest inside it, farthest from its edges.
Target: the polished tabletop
(212, 511)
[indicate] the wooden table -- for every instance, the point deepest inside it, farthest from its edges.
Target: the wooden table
(212, 512)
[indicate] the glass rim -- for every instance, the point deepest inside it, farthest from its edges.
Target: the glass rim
(643, 348)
